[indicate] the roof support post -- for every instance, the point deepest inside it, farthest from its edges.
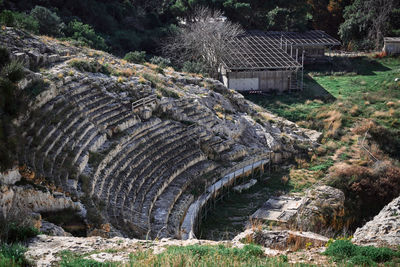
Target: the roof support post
(302, 70)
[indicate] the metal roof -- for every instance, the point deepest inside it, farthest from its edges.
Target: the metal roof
(258, 50)
(392, 39)
(303, 39)
(254, 52)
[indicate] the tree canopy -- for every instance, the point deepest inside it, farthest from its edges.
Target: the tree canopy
(122, 26)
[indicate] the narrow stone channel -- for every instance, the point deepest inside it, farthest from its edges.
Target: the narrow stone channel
(231, 215)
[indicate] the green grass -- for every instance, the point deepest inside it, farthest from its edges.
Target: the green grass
(347, 253)
(373, 83)
(69, 259)
(193, 256)
(12, 255)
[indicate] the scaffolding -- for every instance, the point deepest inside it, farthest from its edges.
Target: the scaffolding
(274, 50)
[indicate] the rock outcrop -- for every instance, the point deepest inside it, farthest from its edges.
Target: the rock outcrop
(383, 230)
(321, 209)
(134, 140)
(282, 239)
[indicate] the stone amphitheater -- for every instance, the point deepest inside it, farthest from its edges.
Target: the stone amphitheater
(142, 143)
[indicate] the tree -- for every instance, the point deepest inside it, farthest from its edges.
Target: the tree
(366, 23)
(49, 22)
(205, 38)
(252, 14)
(85, 35)
(327, 15)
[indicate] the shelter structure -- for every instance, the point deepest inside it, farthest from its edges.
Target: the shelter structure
(271, 61)
(391, 45)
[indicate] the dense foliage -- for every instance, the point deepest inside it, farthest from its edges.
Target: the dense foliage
(126, 25)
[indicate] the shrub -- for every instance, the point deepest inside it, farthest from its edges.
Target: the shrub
(85, 35)
(194, 67)
(362, 261)
(49, 22)
(366, 256)
(7, 18)
(90, 66)
(14, 71)
(36, 87)
(27, 22)
(366, 190)
(137, 57)
(19, 20)
(19, 233)
(4, 56)
(341, 249)
(161, 61)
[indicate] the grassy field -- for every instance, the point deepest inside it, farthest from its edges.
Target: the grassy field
(364, 87)
(349, 100)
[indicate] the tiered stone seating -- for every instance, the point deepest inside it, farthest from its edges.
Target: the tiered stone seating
(145, 172)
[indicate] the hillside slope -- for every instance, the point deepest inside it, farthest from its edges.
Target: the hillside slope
(136, 144)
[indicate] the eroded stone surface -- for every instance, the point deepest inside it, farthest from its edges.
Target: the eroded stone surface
(279, 209)
(383, 230)
(322, 208)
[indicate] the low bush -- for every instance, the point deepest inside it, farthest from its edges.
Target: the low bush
(36, 87)
(14, 71)
(367, 190)
(161, 61)
(20, 233)
(4, 56)
(137, 57)
(344, 250)
(90, 66)
(195, 67)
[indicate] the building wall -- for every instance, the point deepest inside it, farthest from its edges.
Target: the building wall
(277, 80)
(392, 48)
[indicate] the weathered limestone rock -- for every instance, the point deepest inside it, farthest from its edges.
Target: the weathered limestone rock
(10, 177)
(51, 229)
(322, 208)
(145, 113)
(278, 209)
(383, 230)
(240, 188)
(282, 240)
(26, 198)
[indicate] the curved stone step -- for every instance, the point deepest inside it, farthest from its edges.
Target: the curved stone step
(158, 188)
(154, 139)
(118, 153)
(172, 148)
(165, 203)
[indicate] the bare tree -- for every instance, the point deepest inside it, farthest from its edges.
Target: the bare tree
(202, 38)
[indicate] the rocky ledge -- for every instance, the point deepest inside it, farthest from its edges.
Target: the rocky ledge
(383, 230)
